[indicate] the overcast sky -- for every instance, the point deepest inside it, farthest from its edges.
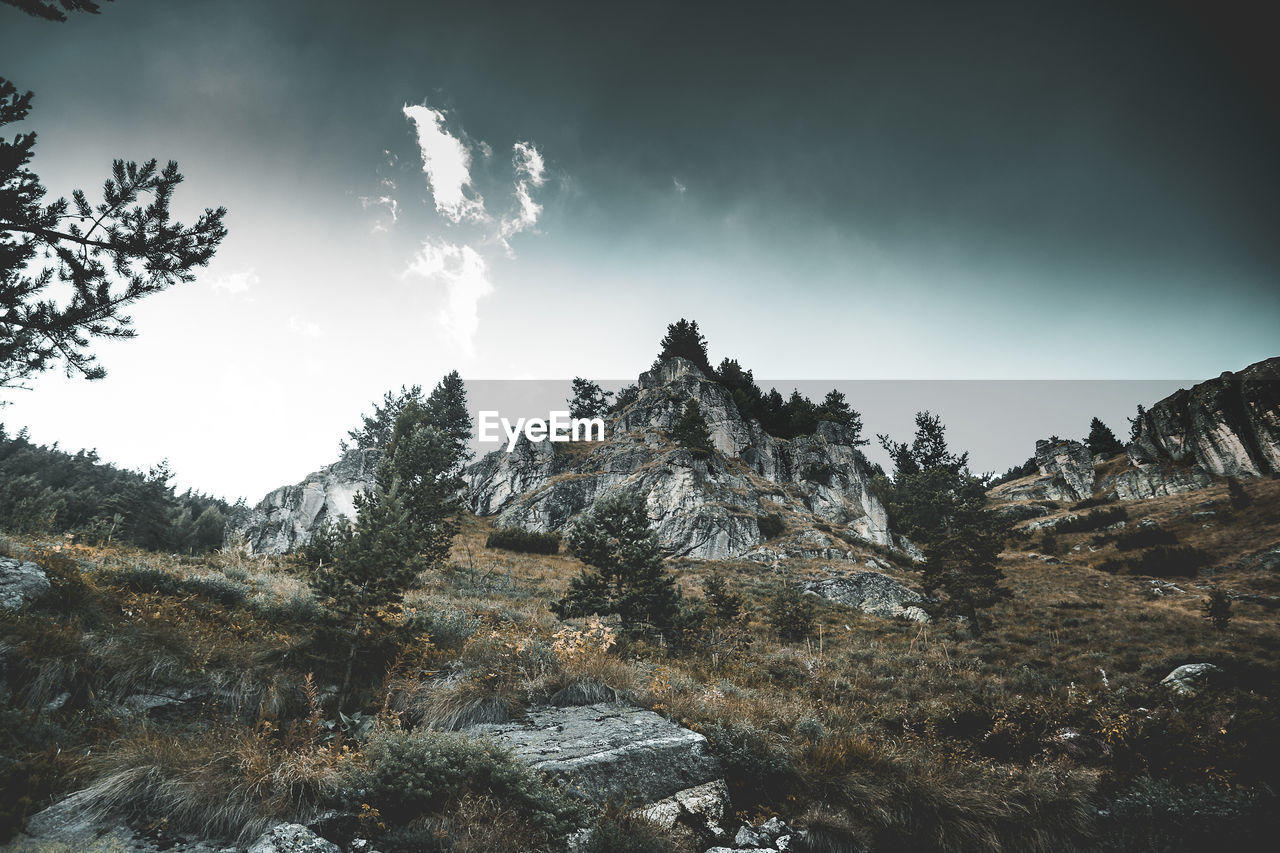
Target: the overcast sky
(1083, 190)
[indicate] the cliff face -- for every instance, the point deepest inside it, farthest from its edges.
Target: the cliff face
(708, 508)
(287, 517)
(1229, 426)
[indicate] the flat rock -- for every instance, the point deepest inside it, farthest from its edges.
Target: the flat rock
(609, 750)
(872, 593)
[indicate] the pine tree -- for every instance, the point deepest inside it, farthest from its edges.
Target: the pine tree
(685, 341)
(625, 575)
(404, 524)
(589, 400)
(375, 429)
(790, 611)
(691, 431)
(938, 503)
(834, 408)
(1102, 441)
(1135, 423)
(99, 259)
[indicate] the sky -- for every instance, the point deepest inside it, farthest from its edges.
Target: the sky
(935, 192)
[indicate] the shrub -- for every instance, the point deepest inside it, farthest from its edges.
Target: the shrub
(757, 767)
(623, 829)
(449, 628)
(1145, 537)
(524, 541)
(1158, 815)
(1182, 561)
(790, 612)
(771, 525)
(1112, 565)
(1217, 608)
(411, 776)
(1095, 520)
(1238, 496)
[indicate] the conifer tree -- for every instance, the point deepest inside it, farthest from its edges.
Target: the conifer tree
(939, 504)
(70, 271)
(625, 575)
(589, 400)
(1102, 441)
(691, 431)
(683, 339)
(1135, 423)
(834, 408)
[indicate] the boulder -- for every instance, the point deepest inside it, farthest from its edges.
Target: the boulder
(292, 838)
(288, 517)
(1189, 679)
(702, 507)
(1228, 426)
(872, 593)
(21, 582)
(611, 750)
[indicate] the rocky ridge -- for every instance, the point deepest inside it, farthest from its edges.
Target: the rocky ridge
(288, 517)
(708, 508)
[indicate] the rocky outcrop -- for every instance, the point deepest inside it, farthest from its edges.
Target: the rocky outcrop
(20, 583)
(1229, 426)
(1155, 480)
(708, 508)
(1069, 462)
(287, 517)
(872, 593)
(1066, 474)
(609, 751)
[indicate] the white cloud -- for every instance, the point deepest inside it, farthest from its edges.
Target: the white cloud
(530, 171)
(680, 188)
(447, 165)
(465, 275)
(236, 283)
(306, 327)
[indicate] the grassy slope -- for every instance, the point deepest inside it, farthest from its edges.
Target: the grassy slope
(897, 734)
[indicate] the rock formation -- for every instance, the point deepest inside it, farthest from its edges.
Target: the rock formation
(1229, 426)
(1071, 463)
(709, 508)
(609, 750)
(872, 593)
(287, 517)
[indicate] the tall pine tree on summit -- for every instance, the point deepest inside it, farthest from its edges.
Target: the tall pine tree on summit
(683, 339)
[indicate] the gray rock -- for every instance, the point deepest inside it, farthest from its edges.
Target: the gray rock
(1155, 480)
(292, 838)
(704, 508)
(1189, 679)
(21, 582)
(750, 837)
(609, 750)
(1050, 523)
(1022, 512)
(69, 826)
(701, 807)
(288, 517)
(1229, 426)
(872, 593)
(1069, 461)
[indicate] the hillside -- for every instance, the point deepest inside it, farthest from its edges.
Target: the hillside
(200, 702)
